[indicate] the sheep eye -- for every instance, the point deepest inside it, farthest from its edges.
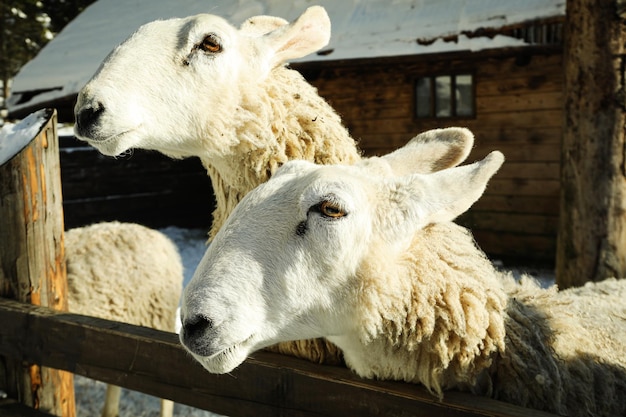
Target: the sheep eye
(331, 210)
(210, 44)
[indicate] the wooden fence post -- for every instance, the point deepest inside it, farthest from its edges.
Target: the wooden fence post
(32, 258)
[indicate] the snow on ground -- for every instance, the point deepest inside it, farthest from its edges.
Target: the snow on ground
(90, 398)
(191, 244)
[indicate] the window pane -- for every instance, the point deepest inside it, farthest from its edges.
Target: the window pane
(422, 93)
(443, 106)
(464, 95)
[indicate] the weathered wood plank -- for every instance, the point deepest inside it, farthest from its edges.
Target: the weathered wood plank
(519, 135)
(525, 101)
(546, 118)
(516, 153)
(86, 172)
(146, 188)
(32, 257)
(265, 385)
(521, 66)
(506, 86)
(542, 170)
(341, 77)
(398, 103)
(529, 224)
(154, 210)
(11, 408)
(520, 247)
(488, 138)
(523, 186)
(520, 204)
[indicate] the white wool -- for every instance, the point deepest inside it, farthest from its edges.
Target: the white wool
(124, 272)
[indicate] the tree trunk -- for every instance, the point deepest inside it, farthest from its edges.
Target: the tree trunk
(32, 258)
(5, 90)
(592, 225)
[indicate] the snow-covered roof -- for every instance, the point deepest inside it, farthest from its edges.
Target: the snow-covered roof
(360, 29)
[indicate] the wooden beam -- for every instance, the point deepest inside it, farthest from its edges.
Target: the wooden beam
(12, 408)
(32, 258)
(591, 242)
(267, 384)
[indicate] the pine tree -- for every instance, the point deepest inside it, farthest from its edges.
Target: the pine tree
(26, 26)
(62, 12)
(23, 32)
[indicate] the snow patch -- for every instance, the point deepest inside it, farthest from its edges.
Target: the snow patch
(15, 137)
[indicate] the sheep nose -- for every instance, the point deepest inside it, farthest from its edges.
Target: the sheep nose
(87, 118)
(194, 334)
(197, 326)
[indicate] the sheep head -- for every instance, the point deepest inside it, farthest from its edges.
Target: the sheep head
(284, 266)
(177, 81)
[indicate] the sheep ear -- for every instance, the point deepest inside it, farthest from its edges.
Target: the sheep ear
(432, 151)
(260, 25)
(307, 34)
(423, 199)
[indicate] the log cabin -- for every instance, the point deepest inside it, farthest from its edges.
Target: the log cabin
(392, 71)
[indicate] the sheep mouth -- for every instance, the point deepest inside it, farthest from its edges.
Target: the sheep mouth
(108, 139)
(226, 359)
(112, 145)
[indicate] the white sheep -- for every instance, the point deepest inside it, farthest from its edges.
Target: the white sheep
(198, 86)
(128, 273)
(374, 263)
(224, 95)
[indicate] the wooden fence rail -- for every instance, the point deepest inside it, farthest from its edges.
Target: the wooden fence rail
(268, 384)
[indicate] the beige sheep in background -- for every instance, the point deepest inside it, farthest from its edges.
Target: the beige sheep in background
(374, 263)
(222, 94)
(124, 272)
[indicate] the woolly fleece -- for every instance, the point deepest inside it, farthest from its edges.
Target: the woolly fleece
(442, 316)
(124, 272)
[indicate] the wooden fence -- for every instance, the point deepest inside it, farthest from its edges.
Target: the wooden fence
(267, 384)
(34, 336)
(144, 187)
(32, 258)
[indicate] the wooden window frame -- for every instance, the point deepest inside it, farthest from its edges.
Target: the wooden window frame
(433, 96)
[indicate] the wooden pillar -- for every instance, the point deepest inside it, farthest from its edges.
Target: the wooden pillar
(32, 258)
(592, 225)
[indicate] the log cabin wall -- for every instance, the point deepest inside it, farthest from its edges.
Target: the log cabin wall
(143, 187)
(518, 110)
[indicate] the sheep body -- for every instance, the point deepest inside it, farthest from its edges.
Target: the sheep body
(575, 365)
(374, 263)
(124, 272)
(562, 352)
